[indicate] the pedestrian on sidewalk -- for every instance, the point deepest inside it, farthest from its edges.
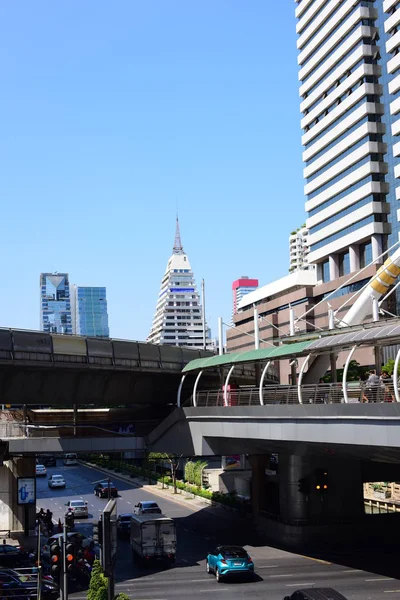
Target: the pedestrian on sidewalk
(59, 526)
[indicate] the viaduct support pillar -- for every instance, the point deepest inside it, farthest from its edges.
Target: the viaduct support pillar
(12, 516)
(305, 514)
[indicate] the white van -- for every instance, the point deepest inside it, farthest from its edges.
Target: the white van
(70, 459)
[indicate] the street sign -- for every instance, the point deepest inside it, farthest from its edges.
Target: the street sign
(26, 490)
(110, 543)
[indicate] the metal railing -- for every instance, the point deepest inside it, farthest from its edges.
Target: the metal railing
(322, 393)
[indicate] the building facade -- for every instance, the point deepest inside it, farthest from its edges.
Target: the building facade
(240, 288)
(346, 122)
(89, 311)
(299, 292)
(178, 320)
(299, 250)
(55, 303)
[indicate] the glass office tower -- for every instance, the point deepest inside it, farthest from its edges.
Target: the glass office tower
(55, 304)
(347, 137)
(89, 311)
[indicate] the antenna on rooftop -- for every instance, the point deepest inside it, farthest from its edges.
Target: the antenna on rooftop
(178, 248)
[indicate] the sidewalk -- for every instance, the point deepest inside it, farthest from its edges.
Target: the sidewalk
(190, 501)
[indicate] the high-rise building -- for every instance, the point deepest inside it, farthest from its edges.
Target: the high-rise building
(240, 288)
(55, 304)
(178, 320)
(299, 250)
(346, 80)
(89, 311)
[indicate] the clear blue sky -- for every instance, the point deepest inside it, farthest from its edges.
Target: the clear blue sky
(115, 114)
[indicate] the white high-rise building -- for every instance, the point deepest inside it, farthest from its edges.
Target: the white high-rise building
(299, 250)
(178, 320)
(346, 122)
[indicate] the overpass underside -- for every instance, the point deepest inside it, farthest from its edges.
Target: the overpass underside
(351, 444)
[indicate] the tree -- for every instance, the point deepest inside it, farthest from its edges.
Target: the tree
(389, 368)
(98, 583)
(173, 460)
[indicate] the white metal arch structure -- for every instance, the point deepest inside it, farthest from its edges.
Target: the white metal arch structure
(303, 366)
(195, 388)
(395, 378)
(346, 368)
(226, 385)
(263, 374)
(178, 397)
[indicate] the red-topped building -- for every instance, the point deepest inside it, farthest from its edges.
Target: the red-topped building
(240, 288)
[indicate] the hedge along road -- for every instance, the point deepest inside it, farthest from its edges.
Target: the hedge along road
(200, 530)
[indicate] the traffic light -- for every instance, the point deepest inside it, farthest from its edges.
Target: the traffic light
(70, 556)
(321, 481)
(55, 559)
(304, 486)
(98, 532)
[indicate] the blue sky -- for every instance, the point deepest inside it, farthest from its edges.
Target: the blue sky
(115, 115)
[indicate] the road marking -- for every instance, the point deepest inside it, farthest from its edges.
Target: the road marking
(214, 590)
(128, 502)
(300, 584)
(390, 591)
(380, 579)
(272, 576)
(92, 505)
(318, 560)
(184, 560)
(352, 571)
(268, 567)
(199, 580)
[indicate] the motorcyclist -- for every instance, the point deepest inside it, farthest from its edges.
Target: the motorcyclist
(89, 553)
(69, 518)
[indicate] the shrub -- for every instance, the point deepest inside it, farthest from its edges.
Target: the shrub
(122, 596)
(98, 583)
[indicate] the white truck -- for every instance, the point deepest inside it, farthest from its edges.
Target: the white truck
(153, 538)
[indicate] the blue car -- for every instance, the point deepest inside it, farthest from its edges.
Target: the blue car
(227, 561)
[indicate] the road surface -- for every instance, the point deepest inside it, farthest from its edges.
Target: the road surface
(279, 572)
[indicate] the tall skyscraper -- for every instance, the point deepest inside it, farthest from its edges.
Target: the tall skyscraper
(299, 250)
(349, 164)
(240, 288)
(178, 317)
(55, 304)
(89, 311)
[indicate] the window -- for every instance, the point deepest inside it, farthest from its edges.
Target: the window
(365, 254)
(325, 271)
(344, 264)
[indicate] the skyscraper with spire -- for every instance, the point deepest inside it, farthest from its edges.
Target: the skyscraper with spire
(178, 320)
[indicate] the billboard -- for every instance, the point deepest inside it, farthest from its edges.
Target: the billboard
(26, 490)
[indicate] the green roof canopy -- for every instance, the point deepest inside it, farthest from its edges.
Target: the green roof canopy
(273, 353)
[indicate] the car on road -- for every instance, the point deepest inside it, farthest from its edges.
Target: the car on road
(48, 461)
(15, 585)
(74, 537)
(78, 507)
(13, 556)
(316, 594)
(101, 489)
(226, 561)
(41, 470)
(70, 459)
(124, 524)
(56, 481)
(147, 508)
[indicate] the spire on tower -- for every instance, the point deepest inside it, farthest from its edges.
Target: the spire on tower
(178, 248)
